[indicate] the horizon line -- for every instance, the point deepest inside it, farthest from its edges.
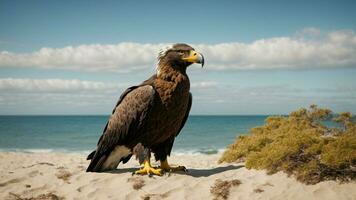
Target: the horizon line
(39, 115)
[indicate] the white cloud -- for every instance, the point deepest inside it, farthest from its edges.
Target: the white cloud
(269, 99)
(336, 49)
(61, 96)
(333, 49)
(11, 85)
(95, 57)
(24, 85)
(203, 84)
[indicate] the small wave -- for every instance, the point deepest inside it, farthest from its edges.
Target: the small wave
(27, 150)
(209, 151)
(44, 151)
(37, 150)
(174, 152)
(197, 152)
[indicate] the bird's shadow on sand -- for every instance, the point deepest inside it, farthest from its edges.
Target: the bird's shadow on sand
(191, 171)
(208, 172)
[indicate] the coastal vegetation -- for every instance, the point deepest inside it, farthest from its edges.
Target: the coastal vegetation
(312, 144)
(221, 189)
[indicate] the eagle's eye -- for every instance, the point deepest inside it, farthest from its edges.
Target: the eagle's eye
(181, 52)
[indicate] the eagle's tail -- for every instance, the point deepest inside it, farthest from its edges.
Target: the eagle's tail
(96, 162)
(91, 155)
(99, 163)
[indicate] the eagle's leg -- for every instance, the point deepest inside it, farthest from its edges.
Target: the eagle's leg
(143, 154)
(161, 152)
(166, 167)
(148, 169)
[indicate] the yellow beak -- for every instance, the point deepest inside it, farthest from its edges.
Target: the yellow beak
(195, 57)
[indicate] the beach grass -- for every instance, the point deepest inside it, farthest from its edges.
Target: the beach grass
(301, 144)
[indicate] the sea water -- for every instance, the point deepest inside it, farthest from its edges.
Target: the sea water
(201, 134)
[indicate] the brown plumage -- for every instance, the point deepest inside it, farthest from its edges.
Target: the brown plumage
(149, 116)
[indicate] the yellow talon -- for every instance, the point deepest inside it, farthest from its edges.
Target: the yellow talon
(166, 167)
(148, 169)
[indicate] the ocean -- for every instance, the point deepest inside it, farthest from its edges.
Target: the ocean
(200, 135)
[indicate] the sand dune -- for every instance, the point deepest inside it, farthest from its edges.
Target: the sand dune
(63, 176)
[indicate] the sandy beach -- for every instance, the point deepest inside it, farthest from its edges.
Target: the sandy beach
(63, 176)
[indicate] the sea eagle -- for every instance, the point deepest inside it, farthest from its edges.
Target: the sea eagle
(149, 116)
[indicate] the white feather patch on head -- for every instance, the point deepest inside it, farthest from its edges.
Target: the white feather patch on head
(162, 52)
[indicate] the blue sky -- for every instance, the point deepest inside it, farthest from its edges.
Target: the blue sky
(270, 57)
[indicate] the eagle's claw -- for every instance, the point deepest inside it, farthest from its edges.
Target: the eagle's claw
(149, 170)
(166, 167)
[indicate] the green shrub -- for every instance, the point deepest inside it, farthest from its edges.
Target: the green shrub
(300, 145)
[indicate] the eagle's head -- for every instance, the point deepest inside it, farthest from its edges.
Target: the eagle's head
(179, 56)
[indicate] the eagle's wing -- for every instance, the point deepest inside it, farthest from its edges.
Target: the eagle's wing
(127, 118)
(186, 114)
